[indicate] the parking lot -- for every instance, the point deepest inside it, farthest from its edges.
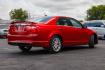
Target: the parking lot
(73, 58)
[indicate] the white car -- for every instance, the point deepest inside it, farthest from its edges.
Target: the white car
(3, 30)
(98, 26)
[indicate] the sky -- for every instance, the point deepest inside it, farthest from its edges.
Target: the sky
(73, 8)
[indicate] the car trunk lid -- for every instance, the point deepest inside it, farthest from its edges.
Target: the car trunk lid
(22, 28)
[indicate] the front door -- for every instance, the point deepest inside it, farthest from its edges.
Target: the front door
(80, 33)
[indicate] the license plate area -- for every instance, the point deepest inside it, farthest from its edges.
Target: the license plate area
(20, 28)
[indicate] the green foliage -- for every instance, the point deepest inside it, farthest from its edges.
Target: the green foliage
(96, 13)
(18, 14)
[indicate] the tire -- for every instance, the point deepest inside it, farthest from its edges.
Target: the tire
(25, 48)
(55, 44)
(91, 42)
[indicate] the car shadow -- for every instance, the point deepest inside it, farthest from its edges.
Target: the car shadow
(46, 52)
(73, 48)
(3, 38)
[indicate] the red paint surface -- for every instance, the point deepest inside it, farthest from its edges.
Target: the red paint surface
(40, 34)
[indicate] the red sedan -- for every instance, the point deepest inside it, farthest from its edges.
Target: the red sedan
(51, 33)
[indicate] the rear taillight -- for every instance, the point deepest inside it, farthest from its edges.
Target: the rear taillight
(23, 28)
(33, 29)
(11, 27)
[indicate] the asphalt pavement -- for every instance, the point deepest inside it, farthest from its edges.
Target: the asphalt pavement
(73, 58)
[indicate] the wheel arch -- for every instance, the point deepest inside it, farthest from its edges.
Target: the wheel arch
(56, 34)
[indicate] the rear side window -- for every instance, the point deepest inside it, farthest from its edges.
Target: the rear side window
(41, 20)
(64, 22)
(93, 24)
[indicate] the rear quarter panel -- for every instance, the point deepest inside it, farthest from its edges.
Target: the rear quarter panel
(45, 32)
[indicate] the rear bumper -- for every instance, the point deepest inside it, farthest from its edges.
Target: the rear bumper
(16, 43)
(26, 40)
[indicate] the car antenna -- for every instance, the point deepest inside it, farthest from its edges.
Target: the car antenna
(44, 13)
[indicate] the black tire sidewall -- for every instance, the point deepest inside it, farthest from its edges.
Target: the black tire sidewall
(91, 42)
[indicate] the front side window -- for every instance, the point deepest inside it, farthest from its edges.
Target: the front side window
(75, 23)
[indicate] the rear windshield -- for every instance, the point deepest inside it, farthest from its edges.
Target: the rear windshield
(3, 26)
(41, 20)
(93, 24)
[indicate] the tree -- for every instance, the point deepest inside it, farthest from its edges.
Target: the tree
(18, 14)
(96, 13)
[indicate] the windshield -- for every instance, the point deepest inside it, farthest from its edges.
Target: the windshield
(93, 24)
(3, 26)
(42, 19)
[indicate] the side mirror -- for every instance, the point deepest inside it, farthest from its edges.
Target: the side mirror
(84, 26)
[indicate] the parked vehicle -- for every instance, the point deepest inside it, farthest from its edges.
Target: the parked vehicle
(51, 33)
(3, 30)
(98, 26)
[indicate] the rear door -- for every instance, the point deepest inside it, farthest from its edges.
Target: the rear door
(67, 30)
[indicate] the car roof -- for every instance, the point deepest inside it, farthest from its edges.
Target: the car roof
(61, 16)
(49, 16)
